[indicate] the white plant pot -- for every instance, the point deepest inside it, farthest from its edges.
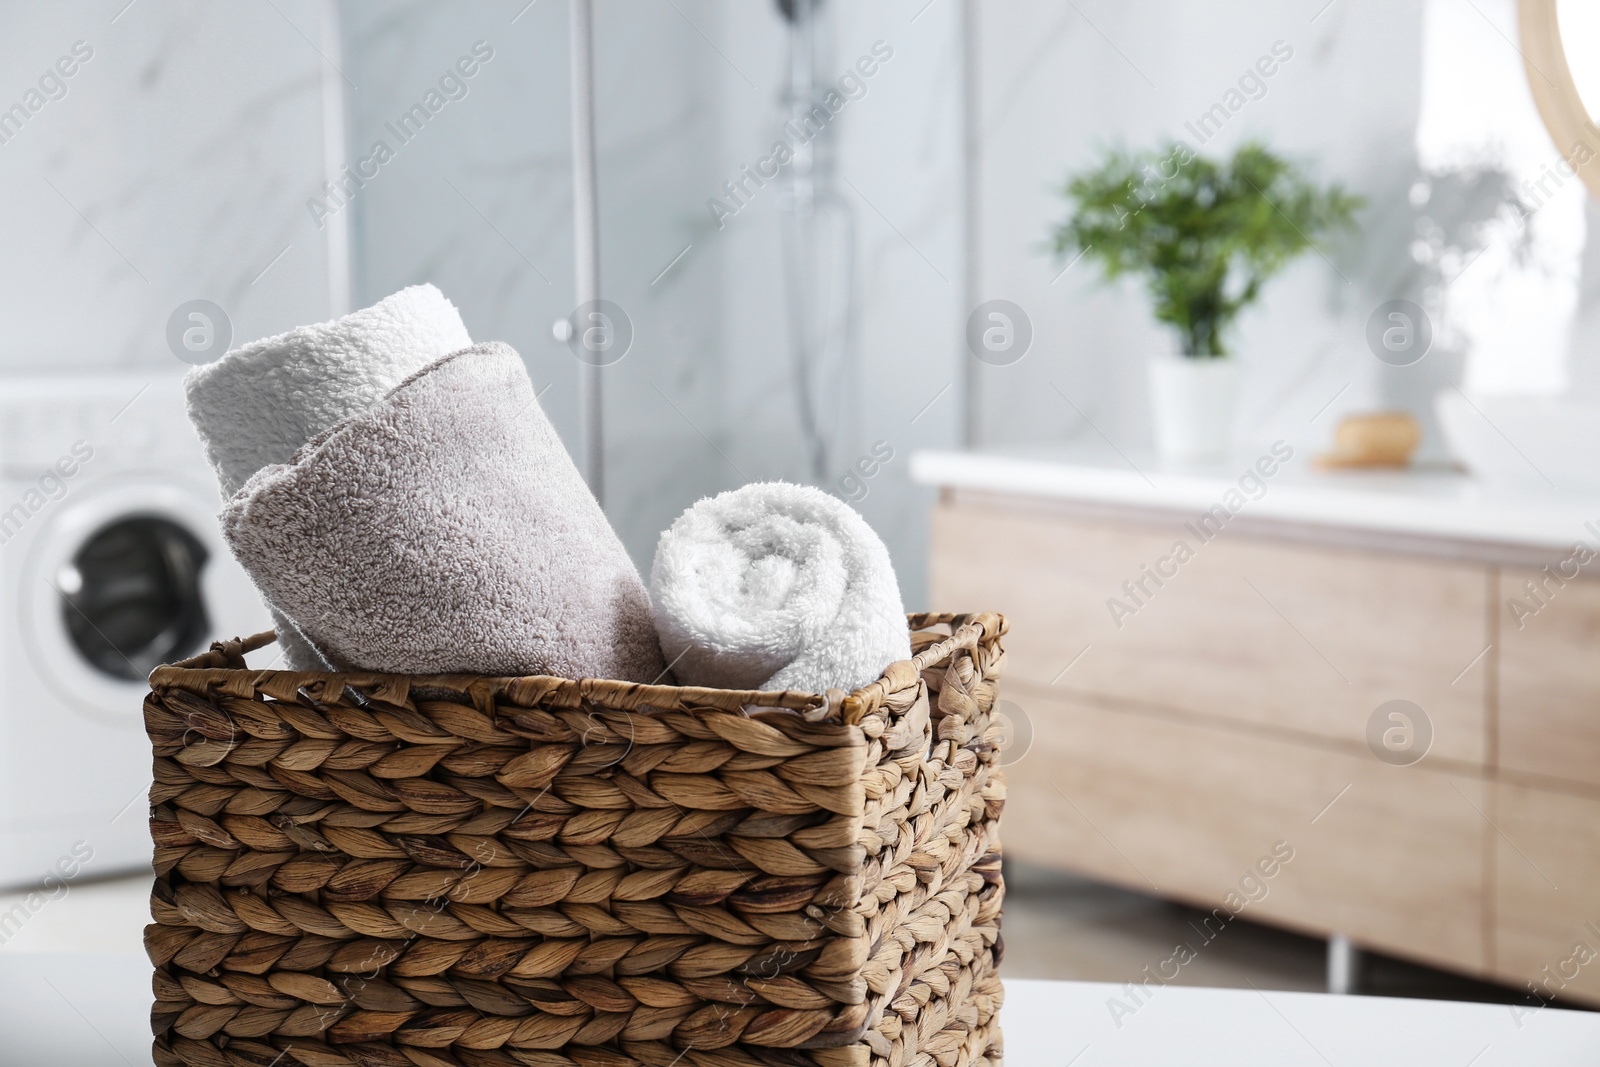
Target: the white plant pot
(1191, 405)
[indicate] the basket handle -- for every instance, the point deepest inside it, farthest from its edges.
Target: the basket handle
(227, 654)
(968, 631)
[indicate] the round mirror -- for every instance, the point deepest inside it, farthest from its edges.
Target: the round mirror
(1561, 54)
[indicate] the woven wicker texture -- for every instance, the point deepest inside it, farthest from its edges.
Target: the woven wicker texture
(387, 871)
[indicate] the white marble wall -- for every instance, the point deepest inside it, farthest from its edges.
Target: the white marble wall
(193, 138)
(1060, 83)
(899, 180)
(173, 167)
(686, 93)
(179, 161)
(480, 204)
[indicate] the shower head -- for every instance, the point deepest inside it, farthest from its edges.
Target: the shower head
(794, 10)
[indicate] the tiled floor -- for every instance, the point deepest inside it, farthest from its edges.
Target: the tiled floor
(1056, 926)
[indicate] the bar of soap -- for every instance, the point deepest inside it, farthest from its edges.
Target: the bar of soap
(1380, 439)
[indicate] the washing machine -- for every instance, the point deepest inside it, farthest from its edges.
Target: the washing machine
(112, 563)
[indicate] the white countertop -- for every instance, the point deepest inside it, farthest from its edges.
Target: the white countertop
(1432, 504)
(92, 1010)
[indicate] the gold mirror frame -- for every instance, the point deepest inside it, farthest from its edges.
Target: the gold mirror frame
(1544, 58)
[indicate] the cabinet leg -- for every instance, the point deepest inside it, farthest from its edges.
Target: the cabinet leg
(1344, 965)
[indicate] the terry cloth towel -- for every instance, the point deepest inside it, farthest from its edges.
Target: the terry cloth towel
(256, 405)
(776, 586)
(447, 531)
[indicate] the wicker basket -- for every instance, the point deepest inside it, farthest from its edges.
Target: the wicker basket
(387, 871)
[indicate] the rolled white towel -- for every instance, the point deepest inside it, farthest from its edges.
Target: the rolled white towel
(776, 586)
(259, 403)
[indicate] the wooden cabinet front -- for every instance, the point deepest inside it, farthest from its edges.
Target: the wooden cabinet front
(1197, 702)
(1281, 636)
(1550, 675)
(1386, 855)
(1547, 869)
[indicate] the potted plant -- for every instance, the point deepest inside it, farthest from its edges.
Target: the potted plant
(1205, 235)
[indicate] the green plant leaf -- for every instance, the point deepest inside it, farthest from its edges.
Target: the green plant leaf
(1204, 235)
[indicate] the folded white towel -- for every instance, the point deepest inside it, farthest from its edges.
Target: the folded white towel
(446, 530)
(776, 586)
(259, 403)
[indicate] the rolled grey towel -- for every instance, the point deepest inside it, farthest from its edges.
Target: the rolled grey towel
(259, 403)
(446, 530)
(776, 586)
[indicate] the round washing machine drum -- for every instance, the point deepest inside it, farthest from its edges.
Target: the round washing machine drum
(131, 598)
(123, 576)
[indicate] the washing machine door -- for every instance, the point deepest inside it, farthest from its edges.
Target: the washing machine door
(127, 574)
(131, 597)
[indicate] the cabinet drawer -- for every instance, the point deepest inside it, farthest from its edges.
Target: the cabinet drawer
(1547, 863)
(1280, 635)
(1550, 677)
(1162, 806)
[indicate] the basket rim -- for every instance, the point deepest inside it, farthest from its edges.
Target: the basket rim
(223, 668)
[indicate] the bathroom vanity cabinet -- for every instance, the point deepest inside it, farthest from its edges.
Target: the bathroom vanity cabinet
(1177, 715)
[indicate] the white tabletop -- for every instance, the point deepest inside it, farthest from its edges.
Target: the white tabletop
(1092, 1024)
(1437, 503)
(92, 1010)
